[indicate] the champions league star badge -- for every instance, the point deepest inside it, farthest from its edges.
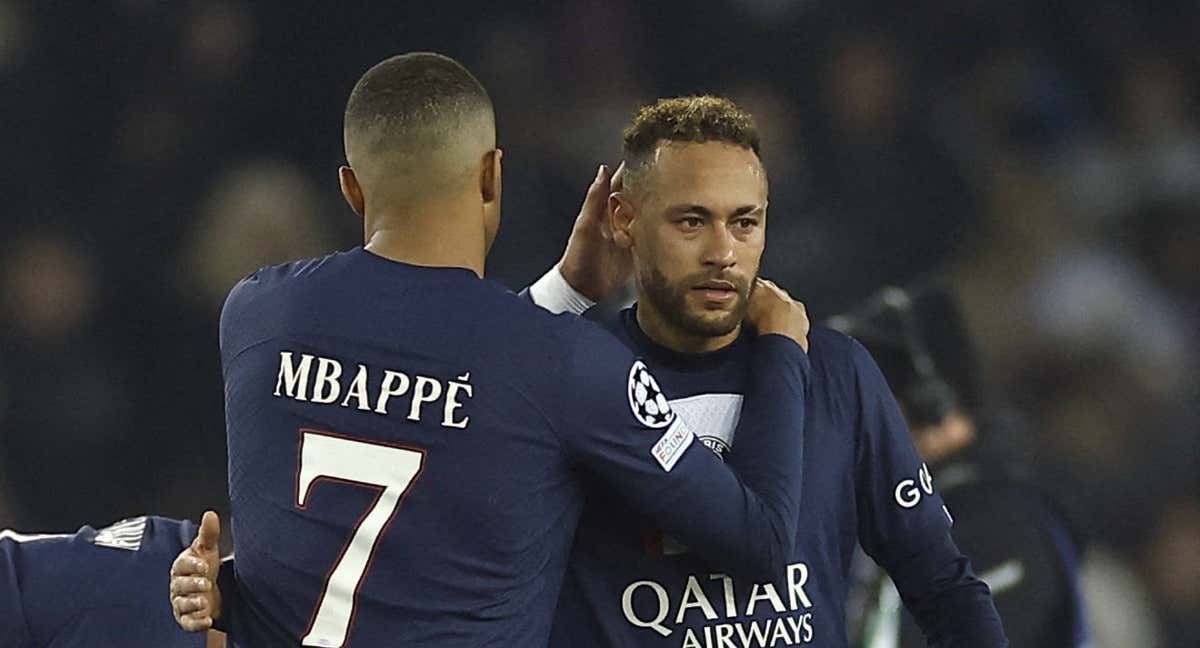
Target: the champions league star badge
(646, 398)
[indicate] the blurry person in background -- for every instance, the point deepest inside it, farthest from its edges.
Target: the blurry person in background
(877, 158)
(259, 212)
(1173, 562)
(66, 406)
(1020, 542)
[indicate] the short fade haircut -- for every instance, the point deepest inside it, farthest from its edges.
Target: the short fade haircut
(696, 119)
(416, 100)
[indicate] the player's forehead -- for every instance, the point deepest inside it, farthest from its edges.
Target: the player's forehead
(715, 174)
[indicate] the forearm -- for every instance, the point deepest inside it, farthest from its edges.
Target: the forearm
(741, 516)
(769, 455)
(950, 604)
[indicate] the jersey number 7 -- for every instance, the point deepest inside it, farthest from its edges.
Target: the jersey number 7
(392, 470)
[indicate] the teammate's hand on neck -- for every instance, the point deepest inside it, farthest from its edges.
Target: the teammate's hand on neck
(773, 311)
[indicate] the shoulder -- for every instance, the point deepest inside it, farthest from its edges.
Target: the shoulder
(273, 277)
(267, 290)
(569, 335)
(837, 350)
(841, 362)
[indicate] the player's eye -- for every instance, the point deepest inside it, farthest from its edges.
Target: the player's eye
(746, 223)
(691, 222)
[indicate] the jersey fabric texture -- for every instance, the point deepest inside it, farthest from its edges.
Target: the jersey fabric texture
(631, 584)
(407, 447)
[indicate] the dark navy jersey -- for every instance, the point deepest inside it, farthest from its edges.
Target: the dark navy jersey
(630, 584)
(104, 587)
(407, 446)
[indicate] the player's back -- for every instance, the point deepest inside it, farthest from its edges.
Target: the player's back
(394, 476)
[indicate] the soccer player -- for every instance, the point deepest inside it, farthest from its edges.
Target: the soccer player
(408, 442)
(94, 587)
(692, 213)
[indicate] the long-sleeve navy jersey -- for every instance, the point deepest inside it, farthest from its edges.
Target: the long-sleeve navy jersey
(629, 584)
(407, 446)
(103, 587)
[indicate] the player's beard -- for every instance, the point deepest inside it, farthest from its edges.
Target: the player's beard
(671, 301)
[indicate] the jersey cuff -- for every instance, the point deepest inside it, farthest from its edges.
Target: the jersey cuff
(553, 293)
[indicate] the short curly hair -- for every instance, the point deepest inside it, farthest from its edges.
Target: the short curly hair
(699, 119)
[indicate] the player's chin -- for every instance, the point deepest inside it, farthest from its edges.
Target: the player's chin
(715, 321)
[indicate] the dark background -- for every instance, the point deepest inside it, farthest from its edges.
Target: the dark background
(1041, 156)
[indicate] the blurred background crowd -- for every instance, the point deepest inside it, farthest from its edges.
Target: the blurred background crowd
(1042, 156)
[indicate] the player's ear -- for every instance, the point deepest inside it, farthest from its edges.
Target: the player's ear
(490, 189)
(620, 216)
(351, 190)
(490, 176)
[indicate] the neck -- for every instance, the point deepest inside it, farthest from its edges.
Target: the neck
(437, 235)
(657, 328)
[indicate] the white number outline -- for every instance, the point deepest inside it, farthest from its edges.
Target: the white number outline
(392, 470)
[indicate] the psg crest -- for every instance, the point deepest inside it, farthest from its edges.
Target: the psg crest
(646, 398)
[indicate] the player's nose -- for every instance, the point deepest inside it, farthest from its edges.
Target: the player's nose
(719, 248)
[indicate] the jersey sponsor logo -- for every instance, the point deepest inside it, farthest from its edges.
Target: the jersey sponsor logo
(717, 612)
(671, 445)
(646, 399)
(907, 493)
(126, 535)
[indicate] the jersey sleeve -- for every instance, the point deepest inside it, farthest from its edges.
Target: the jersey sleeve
(14, 630)
(899, 511)
(105, 587)
(615, 422)
(552, 293)
(905, 527)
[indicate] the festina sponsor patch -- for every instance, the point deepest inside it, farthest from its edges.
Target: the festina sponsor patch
(671, 445)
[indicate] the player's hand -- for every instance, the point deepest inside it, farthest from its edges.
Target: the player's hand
(593, 263)
(772, 310)
(195, 599)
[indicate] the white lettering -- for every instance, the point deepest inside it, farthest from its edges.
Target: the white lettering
(780, 633)
(802, 627)
(663, 607)
(926, 479)
(293, 380)
(697, 598)
(690, 640)
(453, 404)
(386, 390)
(797, 575)
(768, 594)
(725, 636)
(358, 390)
(328, 372)
(757, 633)
(907, 494)
(727, 585)
(422, 395)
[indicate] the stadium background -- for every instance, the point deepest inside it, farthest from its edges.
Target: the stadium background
(1044, 156)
